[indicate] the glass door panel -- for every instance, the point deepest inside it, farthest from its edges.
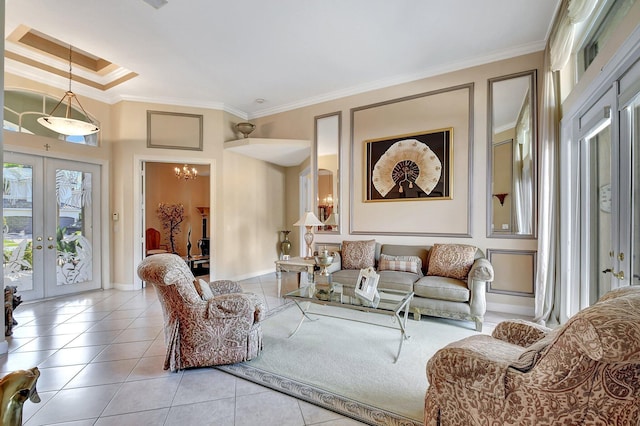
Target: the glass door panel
(599, 212)
(634, 252)
(22, 235)
(51, 228)
(73, 207)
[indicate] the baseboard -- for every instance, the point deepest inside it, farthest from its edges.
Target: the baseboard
(123, 287)
(252, 275)
(526, 311)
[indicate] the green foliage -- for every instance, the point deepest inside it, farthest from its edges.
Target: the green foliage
(65, 246)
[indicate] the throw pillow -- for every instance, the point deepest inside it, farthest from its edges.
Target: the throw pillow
(411, 264)
(451, 260)
(358, 254)
(203, 289)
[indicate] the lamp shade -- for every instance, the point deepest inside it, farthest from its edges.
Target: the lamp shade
(68, 126)
(308, 219)
(332, 220)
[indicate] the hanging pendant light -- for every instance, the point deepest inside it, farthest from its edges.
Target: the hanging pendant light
(67, 125)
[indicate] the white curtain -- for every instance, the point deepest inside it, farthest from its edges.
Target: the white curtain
(547, 271)
(523, 173)
(561, 41)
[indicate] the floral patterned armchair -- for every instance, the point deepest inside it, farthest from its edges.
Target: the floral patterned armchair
(205, 324)
(586, 372)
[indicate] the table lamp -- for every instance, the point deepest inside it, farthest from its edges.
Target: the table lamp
(308, 220)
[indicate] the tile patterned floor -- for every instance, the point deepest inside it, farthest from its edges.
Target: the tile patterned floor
(101, 354)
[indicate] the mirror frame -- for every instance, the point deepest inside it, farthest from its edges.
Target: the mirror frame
(336, 196)
(533, 104)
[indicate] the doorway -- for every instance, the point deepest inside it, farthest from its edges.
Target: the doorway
(178, 208)
(52, 224)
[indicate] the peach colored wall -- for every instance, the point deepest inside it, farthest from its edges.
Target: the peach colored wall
(299, 124)
(253, 200)
(162, 186)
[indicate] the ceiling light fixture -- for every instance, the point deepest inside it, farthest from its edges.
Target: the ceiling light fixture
(186, 173)
(156, 3)
(67, 125)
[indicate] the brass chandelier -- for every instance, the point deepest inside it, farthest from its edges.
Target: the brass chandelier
(186, 173)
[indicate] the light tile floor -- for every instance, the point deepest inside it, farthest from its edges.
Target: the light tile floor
(101, 354)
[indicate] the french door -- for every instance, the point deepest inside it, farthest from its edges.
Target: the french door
(51, 225)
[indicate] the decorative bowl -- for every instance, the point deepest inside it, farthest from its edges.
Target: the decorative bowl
(245, 128)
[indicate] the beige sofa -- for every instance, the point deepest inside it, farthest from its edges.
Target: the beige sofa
(461, 298)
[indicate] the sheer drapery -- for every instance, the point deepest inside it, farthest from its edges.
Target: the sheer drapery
(561, 41)
(547, 269)
(523, 173)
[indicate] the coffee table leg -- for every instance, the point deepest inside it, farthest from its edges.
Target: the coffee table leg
(304, 315)
(402, 323)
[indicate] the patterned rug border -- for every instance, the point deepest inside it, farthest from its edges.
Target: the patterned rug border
(314, 395)
(339, 404)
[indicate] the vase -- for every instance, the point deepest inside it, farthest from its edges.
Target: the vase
(285, 245)
(189, 244)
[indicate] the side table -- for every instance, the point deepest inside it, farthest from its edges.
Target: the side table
(295, 264)
(198, 264)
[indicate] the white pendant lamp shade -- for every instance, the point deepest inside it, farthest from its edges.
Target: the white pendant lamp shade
(67, 125)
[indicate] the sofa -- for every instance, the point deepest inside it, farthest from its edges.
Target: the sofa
(205, 324)
(448, 280)
(585, 372)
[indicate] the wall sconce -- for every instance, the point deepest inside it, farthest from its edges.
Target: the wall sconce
(501, 197)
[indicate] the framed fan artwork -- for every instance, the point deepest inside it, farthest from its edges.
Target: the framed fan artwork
(416, 166)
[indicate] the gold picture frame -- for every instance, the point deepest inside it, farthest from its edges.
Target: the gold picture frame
(409, 167)
(173, 130)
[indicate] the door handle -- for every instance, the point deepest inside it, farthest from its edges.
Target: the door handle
(39, 247)
(619, 275)
(50, 246)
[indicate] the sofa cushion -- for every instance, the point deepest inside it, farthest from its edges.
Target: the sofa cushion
(347, 277)
(358, 254)
(395, 280)
(411, 264)
(421, 252)
(451, 260)
(442, 288)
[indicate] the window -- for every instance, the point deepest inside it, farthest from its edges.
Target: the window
(612, 12)
(22, 108)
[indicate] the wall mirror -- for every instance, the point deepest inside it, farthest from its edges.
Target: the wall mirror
(512, 163)
(327, 161)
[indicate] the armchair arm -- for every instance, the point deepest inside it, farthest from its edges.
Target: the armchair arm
(520, 332)
(478, 363)
(224, 287)
(481, 270)
(233, 305)
(336, 265)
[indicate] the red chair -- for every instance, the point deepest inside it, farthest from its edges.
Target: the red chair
(152, 242)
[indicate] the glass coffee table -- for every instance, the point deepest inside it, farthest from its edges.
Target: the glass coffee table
(388, 302)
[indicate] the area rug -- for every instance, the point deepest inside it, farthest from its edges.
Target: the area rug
(347, 366)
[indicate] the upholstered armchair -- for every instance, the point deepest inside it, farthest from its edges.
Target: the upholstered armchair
(586, 372)
(205, 324)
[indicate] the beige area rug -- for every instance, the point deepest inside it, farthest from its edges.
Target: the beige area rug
(347, 366)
